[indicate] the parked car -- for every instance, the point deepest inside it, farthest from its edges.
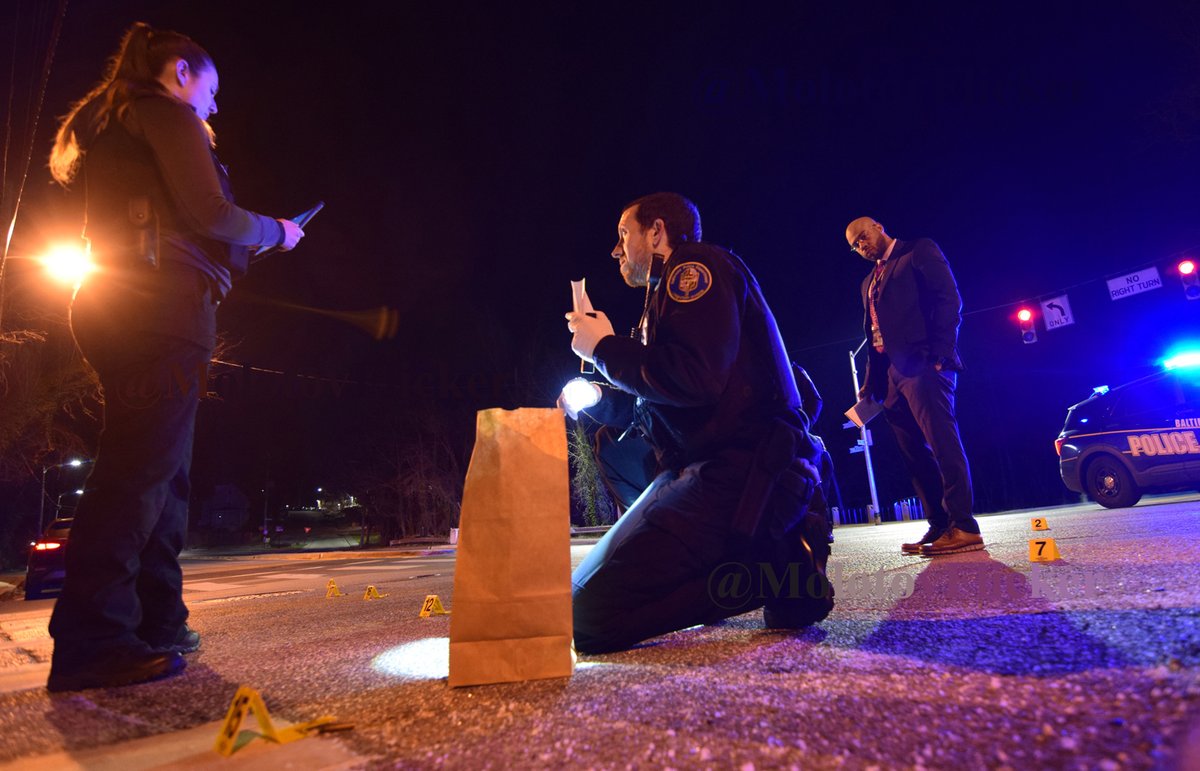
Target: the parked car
(47, 562)
(1139, 437)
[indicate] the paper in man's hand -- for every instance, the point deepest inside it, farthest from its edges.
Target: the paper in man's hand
(862, 413)
(581, 303)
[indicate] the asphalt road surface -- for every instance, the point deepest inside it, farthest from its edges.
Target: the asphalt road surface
(976, 660)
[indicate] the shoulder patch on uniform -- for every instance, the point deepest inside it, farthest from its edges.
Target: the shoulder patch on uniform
(689, 281)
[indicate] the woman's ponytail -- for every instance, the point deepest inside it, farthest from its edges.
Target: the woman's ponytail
(132, 60)
(134, 69)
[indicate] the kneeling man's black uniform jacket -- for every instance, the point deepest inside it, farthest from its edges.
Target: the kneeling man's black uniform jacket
(712, 372)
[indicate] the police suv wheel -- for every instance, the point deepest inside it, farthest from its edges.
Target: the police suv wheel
(1110, 484)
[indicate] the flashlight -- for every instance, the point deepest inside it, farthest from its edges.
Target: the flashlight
(579, 394)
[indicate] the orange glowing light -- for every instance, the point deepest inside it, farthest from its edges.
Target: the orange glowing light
(68, 264)
(1187, 267)
(1024, 314)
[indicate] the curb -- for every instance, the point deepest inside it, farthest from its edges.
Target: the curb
(414, 550)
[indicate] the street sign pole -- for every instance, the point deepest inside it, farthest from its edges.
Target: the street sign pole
(864, 432)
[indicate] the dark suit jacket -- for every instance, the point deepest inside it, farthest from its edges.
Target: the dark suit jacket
(919, 312)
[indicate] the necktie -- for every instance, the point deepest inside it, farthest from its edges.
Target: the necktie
(873, 297)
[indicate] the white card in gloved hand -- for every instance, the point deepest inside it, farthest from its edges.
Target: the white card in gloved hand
(581, 303)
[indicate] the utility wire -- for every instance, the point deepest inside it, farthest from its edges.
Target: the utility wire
(301, 376)
(818, 346)
(1103, 277)
(1085, 282)
(34, 110)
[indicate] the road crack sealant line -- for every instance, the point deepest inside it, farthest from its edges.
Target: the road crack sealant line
(239, 597)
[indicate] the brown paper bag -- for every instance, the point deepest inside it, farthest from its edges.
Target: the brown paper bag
(511, 612)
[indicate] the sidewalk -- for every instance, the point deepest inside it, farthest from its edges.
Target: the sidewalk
(10, 583)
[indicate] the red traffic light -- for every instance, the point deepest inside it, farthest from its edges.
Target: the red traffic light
(1028, 330)
(1189, 278)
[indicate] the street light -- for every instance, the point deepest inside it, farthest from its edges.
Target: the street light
(68, 263)
(73, 463)
(58, 501)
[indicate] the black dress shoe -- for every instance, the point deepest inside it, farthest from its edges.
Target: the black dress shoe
(121, 666)
(798, 613)
(815, 599)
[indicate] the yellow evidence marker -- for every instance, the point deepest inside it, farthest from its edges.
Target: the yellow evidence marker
(1040, 524)
(432, 607)
(1043, 550)
(373, 594)
(248, 700)
(331, 590)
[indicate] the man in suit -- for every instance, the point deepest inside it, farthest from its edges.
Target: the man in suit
(912, 311)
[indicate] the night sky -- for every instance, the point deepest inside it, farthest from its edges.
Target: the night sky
(473, 160)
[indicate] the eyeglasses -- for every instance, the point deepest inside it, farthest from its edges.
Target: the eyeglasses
(858, 240)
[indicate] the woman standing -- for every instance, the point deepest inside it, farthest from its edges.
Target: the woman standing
(168, 242)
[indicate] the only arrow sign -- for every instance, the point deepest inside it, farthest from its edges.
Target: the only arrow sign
(1056, 312)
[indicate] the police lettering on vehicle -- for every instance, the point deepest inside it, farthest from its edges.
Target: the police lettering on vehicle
(1187, 422)
(1173, 443)
(689, 282)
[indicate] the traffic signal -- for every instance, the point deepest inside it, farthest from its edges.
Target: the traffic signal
(1191, 281)
(1028, 329)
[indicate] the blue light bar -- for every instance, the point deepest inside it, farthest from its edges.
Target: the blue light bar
(1183, 360)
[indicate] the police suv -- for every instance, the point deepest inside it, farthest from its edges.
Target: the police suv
(1141, 437)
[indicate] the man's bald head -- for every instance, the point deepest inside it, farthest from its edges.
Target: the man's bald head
(867, 237)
